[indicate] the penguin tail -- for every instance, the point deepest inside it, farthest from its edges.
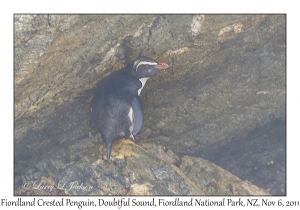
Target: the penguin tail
(108, 150)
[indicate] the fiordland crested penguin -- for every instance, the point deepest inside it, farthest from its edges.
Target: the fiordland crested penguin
(116, 109)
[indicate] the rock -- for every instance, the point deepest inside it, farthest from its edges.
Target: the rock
(226, 79)
(214, 180)
(131, 171)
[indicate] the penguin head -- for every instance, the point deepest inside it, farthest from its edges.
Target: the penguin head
(145, 67)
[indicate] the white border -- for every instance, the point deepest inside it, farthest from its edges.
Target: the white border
(146, 6)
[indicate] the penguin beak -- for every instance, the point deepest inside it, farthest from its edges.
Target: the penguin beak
(161, 66)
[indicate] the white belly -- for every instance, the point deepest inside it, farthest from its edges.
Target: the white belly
(131, 117)
(143, 81)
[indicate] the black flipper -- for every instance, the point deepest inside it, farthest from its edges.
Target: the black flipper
(137, 113)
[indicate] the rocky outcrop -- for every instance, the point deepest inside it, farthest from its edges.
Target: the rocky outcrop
(131, 171)
(226, 80)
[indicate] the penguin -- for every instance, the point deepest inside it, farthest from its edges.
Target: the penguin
(116, 108)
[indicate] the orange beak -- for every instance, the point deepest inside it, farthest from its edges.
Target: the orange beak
(162, 66)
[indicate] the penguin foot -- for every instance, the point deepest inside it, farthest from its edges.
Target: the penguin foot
(132, 138)
(90, 135)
